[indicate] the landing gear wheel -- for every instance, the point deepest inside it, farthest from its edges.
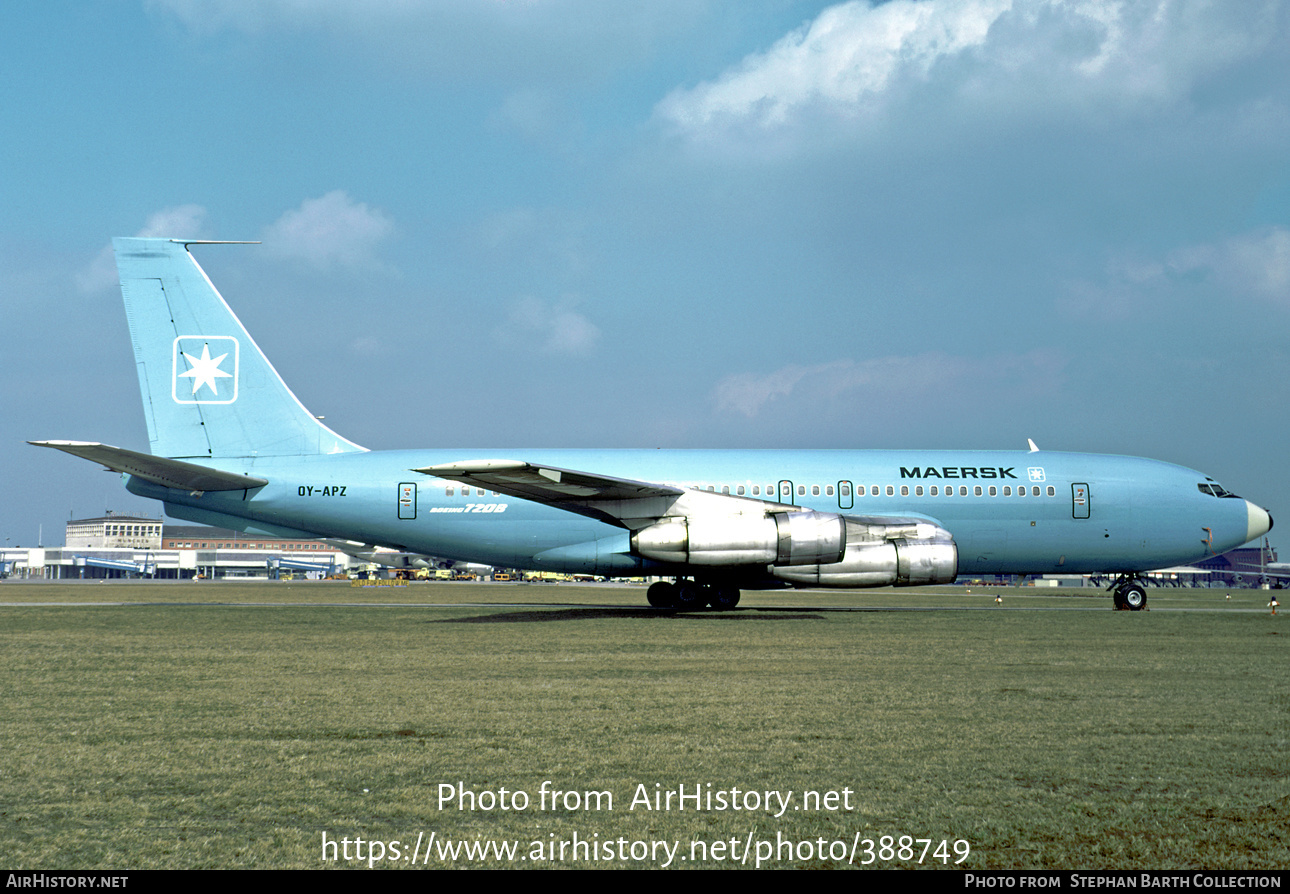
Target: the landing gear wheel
(661, 595)
(724, 596)
(690, 595)
(1134, 597)
(1129, 595)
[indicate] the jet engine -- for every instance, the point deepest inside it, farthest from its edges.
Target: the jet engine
(782, 538)
(904, 553)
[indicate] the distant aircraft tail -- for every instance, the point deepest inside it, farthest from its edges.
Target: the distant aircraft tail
(208, 391)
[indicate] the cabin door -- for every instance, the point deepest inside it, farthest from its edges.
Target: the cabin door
(1080, 501)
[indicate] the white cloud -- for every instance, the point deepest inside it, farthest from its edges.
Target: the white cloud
(179, 222)
(747, 393)
(100, 274)
(1256, 263)
(856, 56)
(849, 53)
(1250, 265)
(889, 384)
(330, 231)
(555, 328)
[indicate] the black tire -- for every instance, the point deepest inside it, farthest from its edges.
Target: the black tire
(661, 595)
(724, 596)
(690, 595)
(1135, 597)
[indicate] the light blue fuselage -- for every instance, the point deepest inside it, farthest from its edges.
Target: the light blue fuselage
(1141, 514)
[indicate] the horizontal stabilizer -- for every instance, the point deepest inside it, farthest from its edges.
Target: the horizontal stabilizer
(159, 470)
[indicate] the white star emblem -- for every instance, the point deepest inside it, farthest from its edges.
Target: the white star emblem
(195, 376)
(204, 370)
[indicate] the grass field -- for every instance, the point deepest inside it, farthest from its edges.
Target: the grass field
(233, 725)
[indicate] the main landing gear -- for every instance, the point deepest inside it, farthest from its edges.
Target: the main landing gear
(1129, 594)
(688, 594)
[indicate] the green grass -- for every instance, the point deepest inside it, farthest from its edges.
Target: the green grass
(194, 729)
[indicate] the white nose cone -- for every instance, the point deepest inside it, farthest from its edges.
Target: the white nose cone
(1258, 521)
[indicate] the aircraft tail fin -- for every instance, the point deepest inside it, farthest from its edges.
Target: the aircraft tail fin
(208, 391)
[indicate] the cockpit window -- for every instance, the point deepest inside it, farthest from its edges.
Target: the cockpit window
(1214, 489)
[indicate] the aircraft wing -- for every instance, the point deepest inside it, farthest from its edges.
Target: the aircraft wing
(619, 501)
(546, 484)
(157, 469)
(1273, 569)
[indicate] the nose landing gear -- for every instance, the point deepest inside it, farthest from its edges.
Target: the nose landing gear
(1129, 594)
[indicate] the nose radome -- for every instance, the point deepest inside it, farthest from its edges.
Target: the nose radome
(1258, 522)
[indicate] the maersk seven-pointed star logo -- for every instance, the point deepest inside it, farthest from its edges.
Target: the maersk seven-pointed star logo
(205, 369)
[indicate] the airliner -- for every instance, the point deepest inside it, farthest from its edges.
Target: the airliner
(232, 446)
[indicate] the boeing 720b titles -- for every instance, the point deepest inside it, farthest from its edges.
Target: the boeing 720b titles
(232, 446)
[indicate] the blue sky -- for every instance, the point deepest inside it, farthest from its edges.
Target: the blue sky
(677, 224)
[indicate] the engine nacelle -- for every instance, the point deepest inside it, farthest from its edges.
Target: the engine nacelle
(884, 555)
(926, 562)
(782, 538)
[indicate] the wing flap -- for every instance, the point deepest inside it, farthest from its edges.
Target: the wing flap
(157, 469)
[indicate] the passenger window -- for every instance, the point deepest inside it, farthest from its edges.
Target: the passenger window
(962, 490)
(935, 491)
(904, 490)
(994, 491)
(976, 491)
(801, 490)
(1052, 491)
(845, 488)
(918, 490)
(815, 490)
(756, 490)
(739, 490)
(874, 490)
(828, 490)
(1007, 490)
(891, 491)
(725, 489)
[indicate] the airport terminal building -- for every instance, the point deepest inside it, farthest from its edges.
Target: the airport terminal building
(116, 546)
